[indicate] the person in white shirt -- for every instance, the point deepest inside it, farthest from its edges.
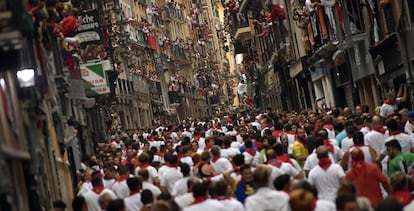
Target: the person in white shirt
(86, 185)
(321, 205)
(265, 198)
(109, 178)
(391, 102)
(120, 186)
(202, 202)
(144, 174)
(312, 160)
(144, 160)
(221, 190)
(187, 198)
(186, 152)
(217, 162)
(171, 174)
(104, 198)
(376, 137)
(250, 154)
(133, 201)
(348, 142)
(92, 196)
(370, 155)
(326, 176)
(180, 187)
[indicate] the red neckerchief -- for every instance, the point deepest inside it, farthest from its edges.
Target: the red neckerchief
(284, 159)
(259, 145)
(222, 198)
(324, 163)
(302, 141)
(180, 156)
(387, 102)
(357, 162)
(143, 165)
(274, 162)
(133, 192)
(171, 165)
(290, 132)
(393, 133)
(196, 138)
(380, 130)
(328, 126)
(207, 147)
(236, 170)
(251, 151)
(215, 158)
(121, 178)
(199, 200)
(98, 189)
(329, 145)
(349, 136)
(314, 203)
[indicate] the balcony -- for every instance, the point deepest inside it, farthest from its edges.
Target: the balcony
(137, 37)
(241, 27)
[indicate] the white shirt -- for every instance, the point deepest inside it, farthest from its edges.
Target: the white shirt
(347, 143)
(323, 205)
(241, 88)
(208, 204)
(185, 200)
(387, 109)
(267, 199)
(232, 204)
(133, 202)
(365, 130)
(180, 187)
(285, 168)
(326, 181)
(154, 189)
(170, 177)
(253, 160)
(406, 142)
(408, 128)
(121, 189)
(221, 165)
(188, 160)
(291, 141)
(108, 183)
(376, 140)
(201, 143)
(151, 171)
(312, 161)
(86, 187)
(91, 199)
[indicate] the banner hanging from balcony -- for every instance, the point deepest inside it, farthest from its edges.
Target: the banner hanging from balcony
(89, 31)
(94, 78)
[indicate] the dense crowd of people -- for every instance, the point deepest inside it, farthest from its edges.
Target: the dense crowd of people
(343, 159)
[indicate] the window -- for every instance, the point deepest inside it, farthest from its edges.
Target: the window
(410, 5)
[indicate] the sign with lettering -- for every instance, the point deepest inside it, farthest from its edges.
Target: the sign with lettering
(94, 78)
(89, 31)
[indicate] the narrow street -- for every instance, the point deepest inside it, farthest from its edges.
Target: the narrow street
(133, 105)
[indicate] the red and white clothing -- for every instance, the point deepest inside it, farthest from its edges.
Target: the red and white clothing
(205, 204)
(312, 161)
(120, 188)
(221, 164)
(326, 181)
(252, 156)
(91, 198)
(267, 199)
(376, 139)
(133, 202)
